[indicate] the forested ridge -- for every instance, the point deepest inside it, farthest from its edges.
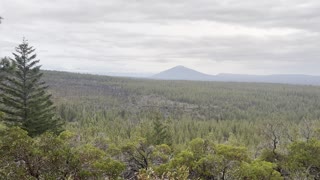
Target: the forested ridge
(101, 127)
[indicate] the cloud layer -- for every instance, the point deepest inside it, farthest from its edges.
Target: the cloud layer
(147, 36)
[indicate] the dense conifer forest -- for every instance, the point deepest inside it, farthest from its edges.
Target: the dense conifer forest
(127, 128)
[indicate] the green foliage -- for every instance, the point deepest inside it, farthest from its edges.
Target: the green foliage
(258, 170)
(304, 158)
(232, 152)
(109, 167)
(198, 147)
(17, 155)
(96, 163)
(53, 157)
(228, 158)
(161, 154)
(269, 156)
(184, 158)
(150, 174)
(210, 161)
(24, 99)
(61, 157)
(46, 157)
(161, 134)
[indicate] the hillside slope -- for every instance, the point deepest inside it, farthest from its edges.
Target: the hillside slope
(177, 99)
(182, 73)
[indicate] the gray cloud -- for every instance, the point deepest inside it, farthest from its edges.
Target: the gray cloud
(146, 36)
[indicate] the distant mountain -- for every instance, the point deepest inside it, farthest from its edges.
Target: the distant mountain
(183, 73)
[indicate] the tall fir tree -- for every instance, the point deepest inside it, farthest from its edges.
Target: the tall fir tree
(25, 100)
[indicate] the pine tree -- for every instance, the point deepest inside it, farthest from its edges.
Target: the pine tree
(25, 101)
(161, 134)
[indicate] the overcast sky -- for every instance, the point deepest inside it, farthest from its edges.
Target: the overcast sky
(148, 36)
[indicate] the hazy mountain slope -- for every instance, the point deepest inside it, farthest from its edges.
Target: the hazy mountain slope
(183, 73)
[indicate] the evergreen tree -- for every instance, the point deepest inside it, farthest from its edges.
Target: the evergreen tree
(25, 101)
(161, 134)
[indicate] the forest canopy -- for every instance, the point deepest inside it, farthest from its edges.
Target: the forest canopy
(120, 128)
